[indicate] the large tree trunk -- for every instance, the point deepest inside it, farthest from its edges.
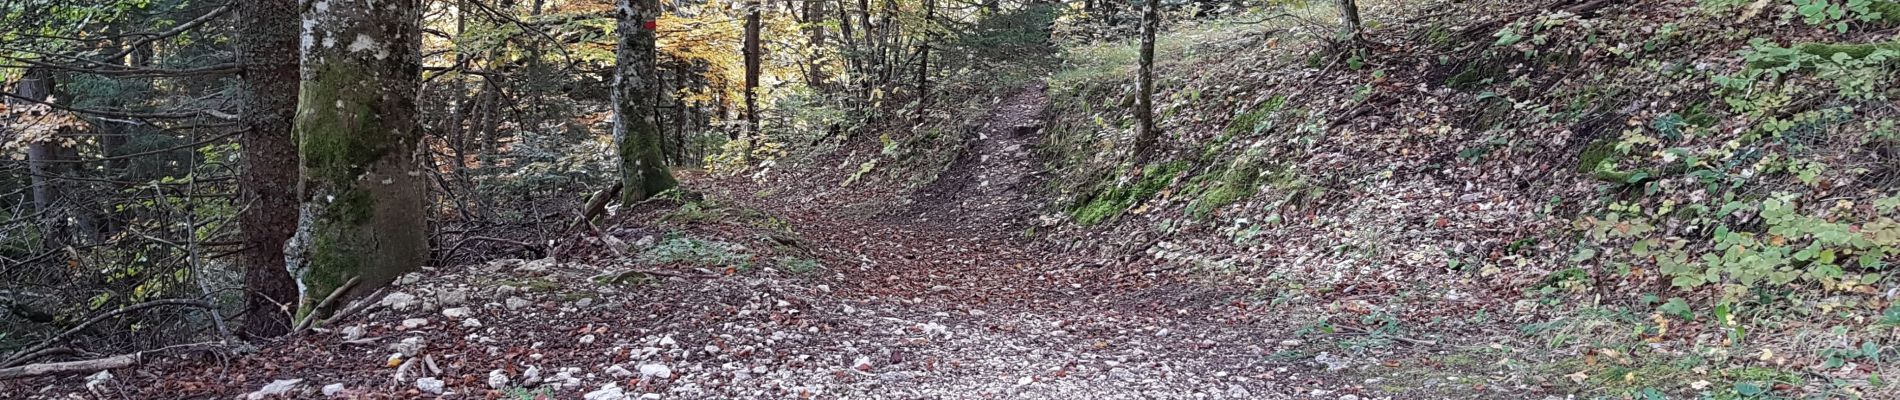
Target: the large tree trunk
(364, 208)
(642, 171)
(752, 53)
(267, 57)
(1144, 108)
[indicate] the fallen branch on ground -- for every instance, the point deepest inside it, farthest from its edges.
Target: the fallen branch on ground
(1406, 340)
(21, 356)
(97, 364)
(458, 246)
(334, 294)
(618, 277)
(596, 206)
(27, 371)
(355, 306)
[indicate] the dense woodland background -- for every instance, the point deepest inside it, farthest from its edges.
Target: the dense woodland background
(1689, 198)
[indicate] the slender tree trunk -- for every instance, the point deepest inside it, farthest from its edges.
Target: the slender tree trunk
(364, 210)
(1349, 28)
(1144, 108)
(752, 58)
(458, 86)
(267, 55)
(642, 171)
(814, 15)
(41, 160)
(923, 58)
(852, 69)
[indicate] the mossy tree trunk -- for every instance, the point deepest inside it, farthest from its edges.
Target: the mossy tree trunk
(266, 47)
(364, 206)
(643, 171)
(1145, 133)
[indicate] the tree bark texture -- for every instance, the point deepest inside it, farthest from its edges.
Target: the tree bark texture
(266, 47)
(1144, 108)
(643, 172)
(364, 209)
(753, 52)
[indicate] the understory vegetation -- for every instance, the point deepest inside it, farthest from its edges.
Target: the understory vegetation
(1606, 199)
(1680, 197)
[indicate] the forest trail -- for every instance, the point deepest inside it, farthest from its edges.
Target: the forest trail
(931, 307)
(990, 182)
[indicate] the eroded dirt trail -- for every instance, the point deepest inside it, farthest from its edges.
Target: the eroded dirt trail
(990, 183)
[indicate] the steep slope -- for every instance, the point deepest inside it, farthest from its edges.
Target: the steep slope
(1675, 183)
(992, 180)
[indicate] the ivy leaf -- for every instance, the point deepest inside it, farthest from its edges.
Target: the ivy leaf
(1584, 255)
(1748, 389)
(1507, 37)
(1677, 307)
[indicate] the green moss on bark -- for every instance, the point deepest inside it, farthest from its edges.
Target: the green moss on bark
(356, 131)
(642, 169)
(340, 131)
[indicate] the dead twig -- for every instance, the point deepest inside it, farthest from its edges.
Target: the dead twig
(596, 206)
(355, 306)
(1406, 340)
(458, 246)
(334, 294)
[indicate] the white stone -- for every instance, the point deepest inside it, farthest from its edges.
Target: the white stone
(531, 376)
(431, 385)
(457, 312)
(498, 379)
(332, 390)
(452, 297)
(399, 301)
(610, 391)
(275, 389)
(353, 332)
(410, 346)
(414, 323)
(516, 303)
(471, 323)
(655, 371)
(566, 379)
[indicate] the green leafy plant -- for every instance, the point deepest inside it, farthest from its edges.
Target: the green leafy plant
(1835, 14)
